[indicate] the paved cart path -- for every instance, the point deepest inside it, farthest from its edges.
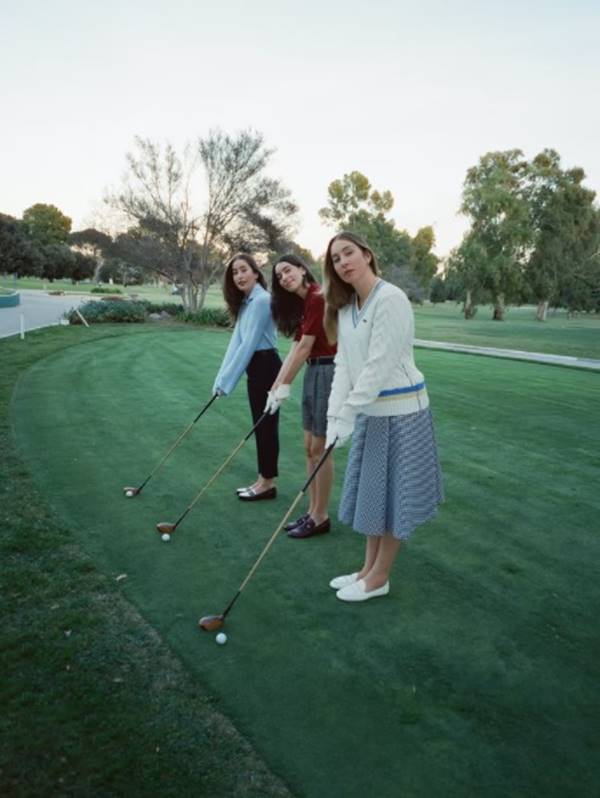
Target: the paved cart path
(513, 354)
(38, 309)
(41, 310)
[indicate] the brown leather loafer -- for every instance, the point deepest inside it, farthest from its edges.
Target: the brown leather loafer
(254, 496)
(308, 529)
(293, 524)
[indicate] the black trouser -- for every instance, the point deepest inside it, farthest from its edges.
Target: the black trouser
(262, 371)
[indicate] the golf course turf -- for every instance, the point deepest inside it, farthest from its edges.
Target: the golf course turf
(476, 676)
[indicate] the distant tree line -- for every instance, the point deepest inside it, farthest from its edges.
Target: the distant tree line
(534, 237)
(404, 260)
(534, 233)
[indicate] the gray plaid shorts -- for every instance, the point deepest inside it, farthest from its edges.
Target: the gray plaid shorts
(315, 397)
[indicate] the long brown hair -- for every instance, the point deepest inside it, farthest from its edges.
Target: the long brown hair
(287, 307)
(231, 293)
(337, 292)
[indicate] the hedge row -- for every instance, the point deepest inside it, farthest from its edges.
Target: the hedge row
(111, 311)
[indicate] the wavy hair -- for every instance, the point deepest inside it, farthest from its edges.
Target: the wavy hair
(338, 294)
(231, 293)
(287, 307)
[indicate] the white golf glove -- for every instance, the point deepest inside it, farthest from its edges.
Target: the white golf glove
(218, 391)
(338, 432)
(276, 397)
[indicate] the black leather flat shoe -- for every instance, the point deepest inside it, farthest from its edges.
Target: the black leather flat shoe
(293, 524)
(254, 496)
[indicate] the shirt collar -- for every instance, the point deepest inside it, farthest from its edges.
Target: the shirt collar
(253, 294)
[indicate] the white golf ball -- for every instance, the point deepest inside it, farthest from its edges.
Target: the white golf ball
(221, 638)
(129, 494)
(166, 537)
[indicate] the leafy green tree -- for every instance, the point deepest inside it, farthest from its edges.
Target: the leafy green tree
(58, 262)
(437, 290)
(18, 255)
(425, 263)
(561, 264)
(92, 243)
(495, 200)
(466, 267)
(46, 224)
(354, 205)
(244, 208)
(120, 271)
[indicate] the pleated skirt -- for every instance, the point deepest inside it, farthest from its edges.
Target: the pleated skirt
(393, 480)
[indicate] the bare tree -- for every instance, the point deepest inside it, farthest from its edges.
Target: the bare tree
(244, 209)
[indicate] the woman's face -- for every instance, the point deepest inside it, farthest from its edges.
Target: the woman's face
(349, 260)
(290, 276)
(244, 277)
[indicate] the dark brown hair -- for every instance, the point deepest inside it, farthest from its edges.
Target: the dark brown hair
(287, 307)
(337, 292)
(232, 294)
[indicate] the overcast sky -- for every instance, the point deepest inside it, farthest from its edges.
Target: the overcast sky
(410, 94)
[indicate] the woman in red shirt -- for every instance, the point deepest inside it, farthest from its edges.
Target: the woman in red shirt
(298, 307)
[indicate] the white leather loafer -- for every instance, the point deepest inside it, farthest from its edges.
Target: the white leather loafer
(342, 581)
(357, 592)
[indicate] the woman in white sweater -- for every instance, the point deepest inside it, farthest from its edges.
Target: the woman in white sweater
(393, 481)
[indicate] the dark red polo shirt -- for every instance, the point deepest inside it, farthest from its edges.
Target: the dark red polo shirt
(311, 323)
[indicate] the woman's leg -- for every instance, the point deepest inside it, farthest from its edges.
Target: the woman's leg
(320, 488)
(381, 565)
(309, 467)
(261, 373)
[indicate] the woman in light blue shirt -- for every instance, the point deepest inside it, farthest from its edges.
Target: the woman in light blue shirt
(252, 349)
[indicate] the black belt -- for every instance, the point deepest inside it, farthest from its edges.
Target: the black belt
(320, 361)
(261, 352)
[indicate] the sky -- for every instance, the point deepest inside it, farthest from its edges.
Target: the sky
(410, 94)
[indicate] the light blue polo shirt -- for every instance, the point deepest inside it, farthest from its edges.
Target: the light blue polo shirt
(254, 330)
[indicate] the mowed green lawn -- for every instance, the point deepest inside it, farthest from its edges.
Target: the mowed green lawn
(577, 336)
(476, 676)
(561, 334)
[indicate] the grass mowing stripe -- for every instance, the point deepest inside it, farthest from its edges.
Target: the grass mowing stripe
(93, 701)
(475, 660)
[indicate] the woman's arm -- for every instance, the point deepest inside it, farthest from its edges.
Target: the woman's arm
(389, 334)
(259, 317)
(294, 361)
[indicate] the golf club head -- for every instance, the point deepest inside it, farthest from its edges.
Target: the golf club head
(165, 528)
(133, 491)
(211, 622)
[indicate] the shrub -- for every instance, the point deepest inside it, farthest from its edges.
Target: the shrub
(209, 317)
(105, 289)
(98, 312)
(172, 308)
(112, 298)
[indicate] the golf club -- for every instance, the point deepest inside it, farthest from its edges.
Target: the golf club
(129, 491)
(211, 622)
(166, 528)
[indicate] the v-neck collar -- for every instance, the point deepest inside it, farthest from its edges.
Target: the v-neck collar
(358, 314)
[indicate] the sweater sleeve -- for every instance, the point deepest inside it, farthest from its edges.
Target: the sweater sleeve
(389, 336)
(239, 355)
(340, 387)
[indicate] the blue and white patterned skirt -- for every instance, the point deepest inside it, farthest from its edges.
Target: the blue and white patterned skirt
(393, 481)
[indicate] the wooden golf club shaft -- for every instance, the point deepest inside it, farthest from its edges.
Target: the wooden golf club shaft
(282, 523)
(218, 471)
(178, 441)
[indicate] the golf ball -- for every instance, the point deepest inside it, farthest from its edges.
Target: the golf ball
(166, 537)
(129, 494)
(221, 638)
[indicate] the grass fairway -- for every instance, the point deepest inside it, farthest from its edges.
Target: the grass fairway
(578, 336)
(477, 676)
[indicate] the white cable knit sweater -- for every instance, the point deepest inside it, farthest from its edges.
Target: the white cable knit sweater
(375, 372)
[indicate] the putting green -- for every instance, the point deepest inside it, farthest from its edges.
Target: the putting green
(474, 677)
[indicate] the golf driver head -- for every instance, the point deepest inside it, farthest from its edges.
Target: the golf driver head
(133, 491)
(211, 622)
(165, 528)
